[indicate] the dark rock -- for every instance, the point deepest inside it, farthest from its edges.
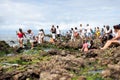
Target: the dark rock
(90, 54)
(64, 53)
(53, 52)
(25, 58)
(82, 78)
(106, 73)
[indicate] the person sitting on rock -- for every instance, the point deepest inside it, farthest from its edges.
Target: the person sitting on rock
(115, 39)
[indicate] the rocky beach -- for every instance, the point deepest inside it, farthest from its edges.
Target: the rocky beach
(60, 61)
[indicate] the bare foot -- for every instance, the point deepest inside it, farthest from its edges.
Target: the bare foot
(102, 48)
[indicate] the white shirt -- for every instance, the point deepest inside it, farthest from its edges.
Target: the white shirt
(58, 31)
(88, 29)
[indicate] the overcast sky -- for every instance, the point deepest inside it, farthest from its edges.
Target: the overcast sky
(36, 14)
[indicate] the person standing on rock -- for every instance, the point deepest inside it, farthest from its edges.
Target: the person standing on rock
(76, 34)
(88, 30)
(58, 32)
(41, 35)
(81, 31)
(72, 34)
(20, 35)
(31, 37)
(53, 31)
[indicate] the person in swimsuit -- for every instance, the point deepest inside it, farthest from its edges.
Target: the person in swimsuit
(85, 46)
(115, 39)
(20, 35)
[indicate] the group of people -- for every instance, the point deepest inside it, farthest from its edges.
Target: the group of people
(30, 37)
(106, 34)
(55, 33)
(87, 34)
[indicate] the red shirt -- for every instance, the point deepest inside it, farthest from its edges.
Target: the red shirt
(20, 35)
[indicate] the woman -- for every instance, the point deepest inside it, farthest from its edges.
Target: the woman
(116, 39)
(20, 35)
(41, 36)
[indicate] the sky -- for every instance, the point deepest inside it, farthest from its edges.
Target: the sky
(37, 14)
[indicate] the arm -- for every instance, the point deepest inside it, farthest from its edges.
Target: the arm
(82, 47)
(117, 37)
(24, 35)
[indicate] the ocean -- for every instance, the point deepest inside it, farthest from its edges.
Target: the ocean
(11, 36)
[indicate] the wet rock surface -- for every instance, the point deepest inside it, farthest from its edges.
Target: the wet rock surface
(4, 48)
(61, 63)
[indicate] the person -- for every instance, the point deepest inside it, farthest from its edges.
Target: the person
(30, 38)
(58, 32)
(115, 39)
(67, 35)
(41, 36)
(108, 33)
(72, 34)
(53, 31)
(97, 32)
(20, 35)
(102, 32)
(88, 31)
(85, 46)
(81, 32)
(81, 27)
(76, 34)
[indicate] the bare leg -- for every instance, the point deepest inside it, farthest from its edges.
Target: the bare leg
(109, 43)
(21, 43)
(32, 45)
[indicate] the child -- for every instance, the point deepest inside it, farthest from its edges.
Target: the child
(85, 46)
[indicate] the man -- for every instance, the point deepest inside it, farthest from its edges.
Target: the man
(58, 32)
(53, 31)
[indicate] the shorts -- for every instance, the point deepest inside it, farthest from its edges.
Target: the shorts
(31, 41)
(21, 39)
(53, 35)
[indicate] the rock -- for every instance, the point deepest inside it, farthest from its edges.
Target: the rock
(90, 54)
(114, 67)
(53, 52)
(82, 78)
(106, 73)
(63, 53)
(26, 58)
(17, 76)
(48, 76)
(65, 78)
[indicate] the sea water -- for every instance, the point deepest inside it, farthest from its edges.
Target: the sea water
(11, 38)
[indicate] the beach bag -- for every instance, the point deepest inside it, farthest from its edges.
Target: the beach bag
(76, 34)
